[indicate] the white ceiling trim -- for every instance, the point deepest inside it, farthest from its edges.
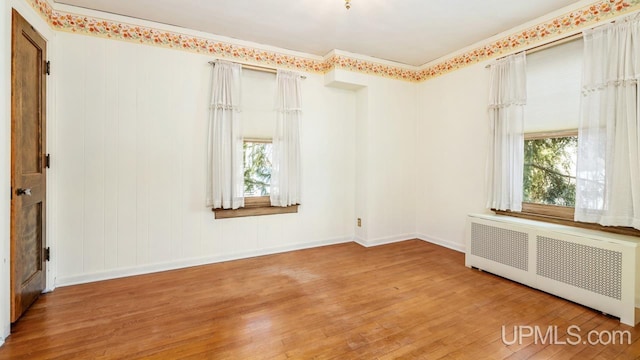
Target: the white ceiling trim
(171, 37)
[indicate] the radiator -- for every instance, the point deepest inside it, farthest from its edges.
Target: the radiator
(592, 268)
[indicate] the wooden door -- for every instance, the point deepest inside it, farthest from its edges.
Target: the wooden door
(28, 178)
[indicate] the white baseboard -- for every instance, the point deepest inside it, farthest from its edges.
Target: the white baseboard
(6, 331)
(179, 264)
(445, 243)
(384, 240)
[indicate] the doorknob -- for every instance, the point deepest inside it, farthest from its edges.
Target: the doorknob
(22, 191)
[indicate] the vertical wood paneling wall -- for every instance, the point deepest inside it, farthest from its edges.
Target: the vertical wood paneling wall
(454, 132)
(131, 131)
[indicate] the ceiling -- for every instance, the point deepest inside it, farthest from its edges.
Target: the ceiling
(412, 32)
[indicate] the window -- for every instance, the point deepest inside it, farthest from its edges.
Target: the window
(549, 170)
(553, 105)
(258, 126)
(554, 87)
(549, 179)
(257, 183)
(257, 167)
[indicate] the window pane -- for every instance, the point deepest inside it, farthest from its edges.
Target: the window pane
(550, 171)
(257, 168)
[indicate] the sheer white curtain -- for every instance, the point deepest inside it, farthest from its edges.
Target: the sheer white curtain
(285, 174)
(608, 168)
(225, 181)
(506, 115)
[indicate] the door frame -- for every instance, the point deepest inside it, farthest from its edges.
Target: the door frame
(42, 27)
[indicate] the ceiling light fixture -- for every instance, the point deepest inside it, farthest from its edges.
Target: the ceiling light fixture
(347, 4)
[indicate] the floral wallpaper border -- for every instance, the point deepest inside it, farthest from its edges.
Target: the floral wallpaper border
(582, 18)
(579, 19)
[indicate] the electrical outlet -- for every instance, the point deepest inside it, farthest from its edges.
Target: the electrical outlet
(359, 222)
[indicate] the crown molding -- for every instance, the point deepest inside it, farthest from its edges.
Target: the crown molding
(153, 34)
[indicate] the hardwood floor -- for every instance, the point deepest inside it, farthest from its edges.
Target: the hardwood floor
(410, 300)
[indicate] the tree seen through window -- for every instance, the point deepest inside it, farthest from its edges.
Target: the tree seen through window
(549, 170)
(257, 168)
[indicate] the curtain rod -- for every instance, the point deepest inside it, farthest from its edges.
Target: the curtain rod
(258, 68)
(551, 44)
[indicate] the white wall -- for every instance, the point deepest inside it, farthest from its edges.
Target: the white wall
(388, 152)
(453, 135)
(385, 143)
(132, 135)
(361, 166)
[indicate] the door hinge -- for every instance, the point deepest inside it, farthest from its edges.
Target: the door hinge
(47, 161)
(48, 67)
(47, 254)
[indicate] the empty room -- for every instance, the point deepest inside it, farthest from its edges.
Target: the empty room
(320, 179)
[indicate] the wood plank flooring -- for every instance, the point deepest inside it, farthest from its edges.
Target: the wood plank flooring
(410, 300)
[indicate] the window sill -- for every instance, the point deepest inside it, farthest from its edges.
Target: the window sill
(559, 217)
(255, 206)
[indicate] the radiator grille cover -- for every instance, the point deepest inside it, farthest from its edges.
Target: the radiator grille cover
(590, 268)
(508, 247)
